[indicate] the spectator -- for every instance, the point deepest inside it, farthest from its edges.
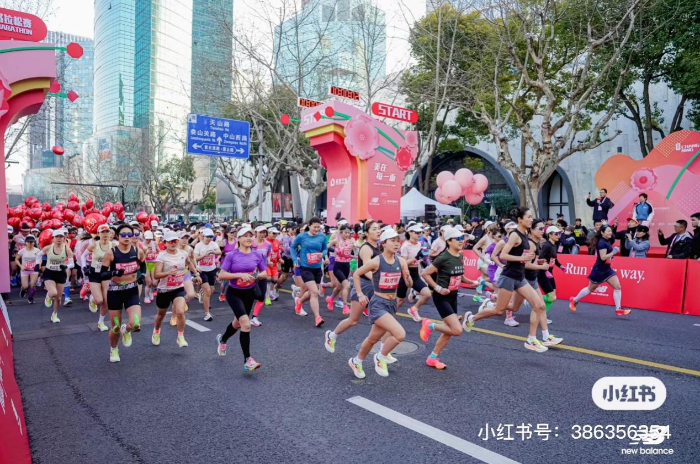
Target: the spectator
(477, 230)
(632, 225)
(590, 238)
(643, 211)
(600, 205)
(567, 242)
(580, 232)
(637, 246)
(549, 222)
(679, 243)
(695, 222)
(439, 243)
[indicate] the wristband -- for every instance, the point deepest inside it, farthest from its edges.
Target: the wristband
(438, 288)
(195, 275)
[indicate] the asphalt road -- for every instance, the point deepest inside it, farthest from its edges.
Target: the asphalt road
(166, 404)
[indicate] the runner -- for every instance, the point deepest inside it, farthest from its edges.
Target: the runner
(344, 246)
(54, 269)
(288, 235)
(412, 252)
(18, 241)
(205, 254)
(482, 263)
(119, 267)
(308, 251)
(242, 267)
(545, 278)
(171, 267)
(151, 250)
(602, 272)
(273, 268)
(27, 261)
(98, 286)
(495, 268)
(227, 244)
(450, 274)
(262, 246)
(386, 270)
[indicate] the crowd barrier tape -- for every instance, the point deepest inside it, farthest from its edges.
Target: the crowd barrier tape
(647, 283)
(14, 444)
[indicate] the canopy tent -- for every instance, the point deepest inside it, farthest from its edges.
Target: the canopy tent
(413, 205)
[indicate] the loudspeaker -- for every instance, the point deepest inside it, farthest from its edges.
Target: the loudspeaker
(430, 214)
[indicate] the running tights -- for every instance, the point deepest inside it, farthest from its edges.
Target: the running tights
(245, 340)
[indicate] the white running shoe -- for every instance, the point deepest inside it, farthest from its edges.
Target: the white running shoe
(295, 291)
(208, 316)
(511, 322)
(114, 355)
(411, 296)
(255, 322)
(549, 321)
(220, 347)
(390, 359)
(486, 305)
(92, 305)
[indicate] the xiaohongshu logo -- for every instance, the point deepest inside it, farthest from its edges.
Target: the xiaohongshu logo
(629, 393)
(339, 181)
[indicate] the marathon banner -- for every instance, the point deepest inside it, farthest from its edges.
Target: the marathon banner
(691, 303)
(14, 445)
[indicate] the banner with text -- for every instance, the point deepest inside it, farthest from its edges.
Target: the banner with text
(691, 303)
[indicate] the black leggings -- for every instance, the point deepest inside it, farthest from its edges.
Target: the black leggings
(241, 302)
(341, 271)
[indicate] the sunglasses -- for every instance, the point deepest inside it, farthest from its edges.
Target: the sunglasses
(459, 239)
(541, 229)
(555, 233)
(170, 242)
(137, 234)
(126, 234)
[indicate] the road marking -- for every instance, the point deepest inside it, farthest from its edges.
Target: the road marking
(600, 354)
(426, 430)
(196, 326)
(697, 325)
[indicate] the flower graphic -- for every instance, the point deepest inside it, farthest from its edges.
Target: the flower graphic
(4, 95)
(644, 179)
(361, 138)
(412, 139)
(404, 158)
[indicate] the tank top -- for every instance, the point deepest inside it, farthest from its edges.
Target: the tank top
(54, 261)
(128, 261)
(386, 278)
(516, 269)
(343, 251)
(98, 255)
(28, 258)
(375, 253)
(531, 274)
(228, 247)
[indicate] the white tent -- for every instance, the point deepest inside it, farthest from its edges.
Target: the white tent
(413, 205)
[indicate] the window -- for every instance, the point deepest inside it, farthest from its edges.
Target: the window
(557, 199)
(328, 13)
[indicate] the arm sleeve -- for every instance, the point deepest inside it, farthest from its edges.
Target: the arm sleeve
(590, 202)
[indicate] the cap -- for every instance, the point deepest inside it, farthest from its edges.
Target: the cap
(640, 228)
(10, 230)
(476, 219)
(511, 225)
(341, 222)
(208, 225)
(453, 233)
(24, 226)
(388, 234)
(244, 230)
(261, 229)
(170, 235)
(30, 238)
(148, 235)
(445, 227)
(410, 223)
(193, 228)
(459, 227)
(59, 233)
(134, 223)
(553, 229)
(273, 230)
(158, 233)
(415, 228)
(208, 232)
(185, 233)
(633, 219)
(102, 228)
(488, 224)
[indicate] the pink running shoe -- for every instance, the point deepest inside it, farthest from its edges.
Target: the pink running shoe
(365, 312)
(251, 364)
(330, 303)
(435, 362)
(346, 310)
(425, 330)
(319, 321)
(413, 312)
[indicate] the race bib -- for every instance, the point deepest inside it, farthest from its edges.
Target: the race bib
(389, 280)
(151, 256)
(54, 266)
(455, 282)
(175, 281)
(561, 248)
(129, 268)
(314, 258)
(207, 261)
(243, 283)
(29, 265)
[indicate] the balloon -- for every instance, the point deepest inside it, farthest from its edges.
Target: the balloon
(108, 206)
(153, 217)
(443, 177)
(142, 217)
(78, 221)
(17, 212)
(45, 215)
(92, 221)
(121, 215)
(464, 177)
(60, 206)
(45, 224)
(440, 198)
(46, 207)
(56, 223)
(89, 203)
(72, 197)
(13, 222)
(68, 215)
(45, 238)
(57, 215)
(30, 223)
(474, 198)
(58, 150)
(35, 213)
(29, 201)
(73, 205)
(481, 183)
(452, 190)
(118, 208)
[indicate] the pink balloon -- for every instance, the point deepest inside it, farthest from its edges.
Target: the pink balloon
(465, 178)
(474, 198)
(443, 177)
(451, 189)
(481, 183)
(440, 198)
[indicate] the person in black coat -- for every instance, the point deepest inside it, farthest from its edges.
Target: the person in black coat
(679, 243)
(600, 205)
(695, 248)
(621, 235)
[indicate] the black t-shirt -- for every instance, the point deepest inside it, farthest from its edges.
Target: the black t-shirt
(450, 270)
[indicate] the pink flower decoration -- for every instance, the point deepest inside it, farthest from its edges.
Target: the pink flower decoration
(404, 158)
(361, 138)
(4, 95)
(644, 179)
(412, 139)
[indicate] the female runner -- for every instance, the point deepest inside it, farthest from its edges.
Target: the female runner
(27, 262)
(412, 251)
(344, 247)
(53, 261)
(227, 245)
(545, 278)
(151, 250)
(98, 286)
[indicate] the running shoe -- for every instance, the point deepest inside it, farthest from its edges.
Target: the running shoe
(268, 301)
(536, 346)
(92, 305)
(146, 299)
(67, 301)
(467, 324)
(390, 359)
(365, 312)
(481, 287)
(298, 308)
(30, 300)
(413, 312)
(435, 362)
(329, 343)
(173, 320)
(425, 330)
(549, 321)
(274, 296)
(552, 340)
(208, 316)
(322, 290)
(346, 310)
(477, 299)
(485, 305)
(572, 304)
(356, 368)
(155, 338)
(220, 347)
(84, 290)
(187, 307)
(48, 301)
(114, 355)
(126, 336)
(330, 303)
(255, 322)
(411, 296)
(339, 303)
(222, 297)
(102, 327)
(22, 292)
(319, 321)
(295, 291)
(622, 312)
(181, 342)
(200, 295)
(251, 364)
(511, 322)
(380, 366)
(54, 318)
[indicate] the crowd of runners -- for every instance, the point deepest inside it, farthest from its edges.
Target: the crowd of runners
(371, 269)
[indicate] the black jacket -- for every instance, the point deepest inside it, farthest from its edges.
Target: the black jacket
(600, 211)
(621, 236)
(680, 248)
(695, 249)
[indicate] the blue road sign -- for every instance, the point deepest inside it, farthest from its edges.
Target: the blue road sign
(211, 136)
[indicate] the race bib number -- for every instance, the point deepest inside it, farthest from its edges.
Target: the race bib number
(314, 258)
(151, 256)
(54, 266)
(207, 261)
(129, 268)
(29, 265)
(389, 280)
(455, 282)
(244, 283)
(175, 280)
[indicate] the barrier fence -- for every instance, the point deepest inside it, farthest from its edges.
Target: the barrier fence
(14, 445)
(656, 284)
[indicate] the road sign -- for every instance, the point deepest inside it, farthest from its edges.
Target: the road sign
(211, 136)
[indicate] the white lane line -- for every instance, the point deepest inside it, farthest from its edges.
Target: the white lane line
(424, 429)
(698, 325)
(196, 326)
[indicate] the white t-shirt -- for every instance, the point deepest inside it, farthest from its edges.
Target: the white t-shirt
(208, 263)
(175, 261)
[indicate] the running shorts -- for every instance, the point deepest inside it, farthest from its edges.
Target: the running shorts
(533, 283)
(341, 271)
(287, 264)
(164, 299)
(122, 299)
(548, 285)
(311, 274)
(59, 277)
(418, 283)
(367, 289)
(378, 307)
(208, 277)
(151, 267)
(445, 304)
(240, 300)
(510, 284)
(273, 272)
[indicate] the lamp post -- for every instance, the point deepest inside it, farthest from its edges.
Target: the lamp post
(261, 193)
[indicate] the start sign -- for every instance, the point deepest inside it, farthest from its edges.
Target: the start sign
(394, 112)
(16, 25)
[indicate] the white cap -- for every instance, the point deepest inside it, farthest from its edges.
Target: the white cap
(511, 225)
(208, 233)
(158, 233)
(341, 222)
(216, 224)
(416, 228)
(459, 227)
(452, 233)
(170, 235)
(445, 227)
(273, 230)
(154, 223)
(388, 234)
(243, 230)
(58, 232)
(488, 224)
(552, 229)
(261, 229)
(134, 223)
(148, 235)
(10, 229)
(193, 228)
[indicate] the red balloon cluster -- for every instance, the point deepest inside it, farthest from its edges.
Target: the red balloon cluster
(461, 183)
